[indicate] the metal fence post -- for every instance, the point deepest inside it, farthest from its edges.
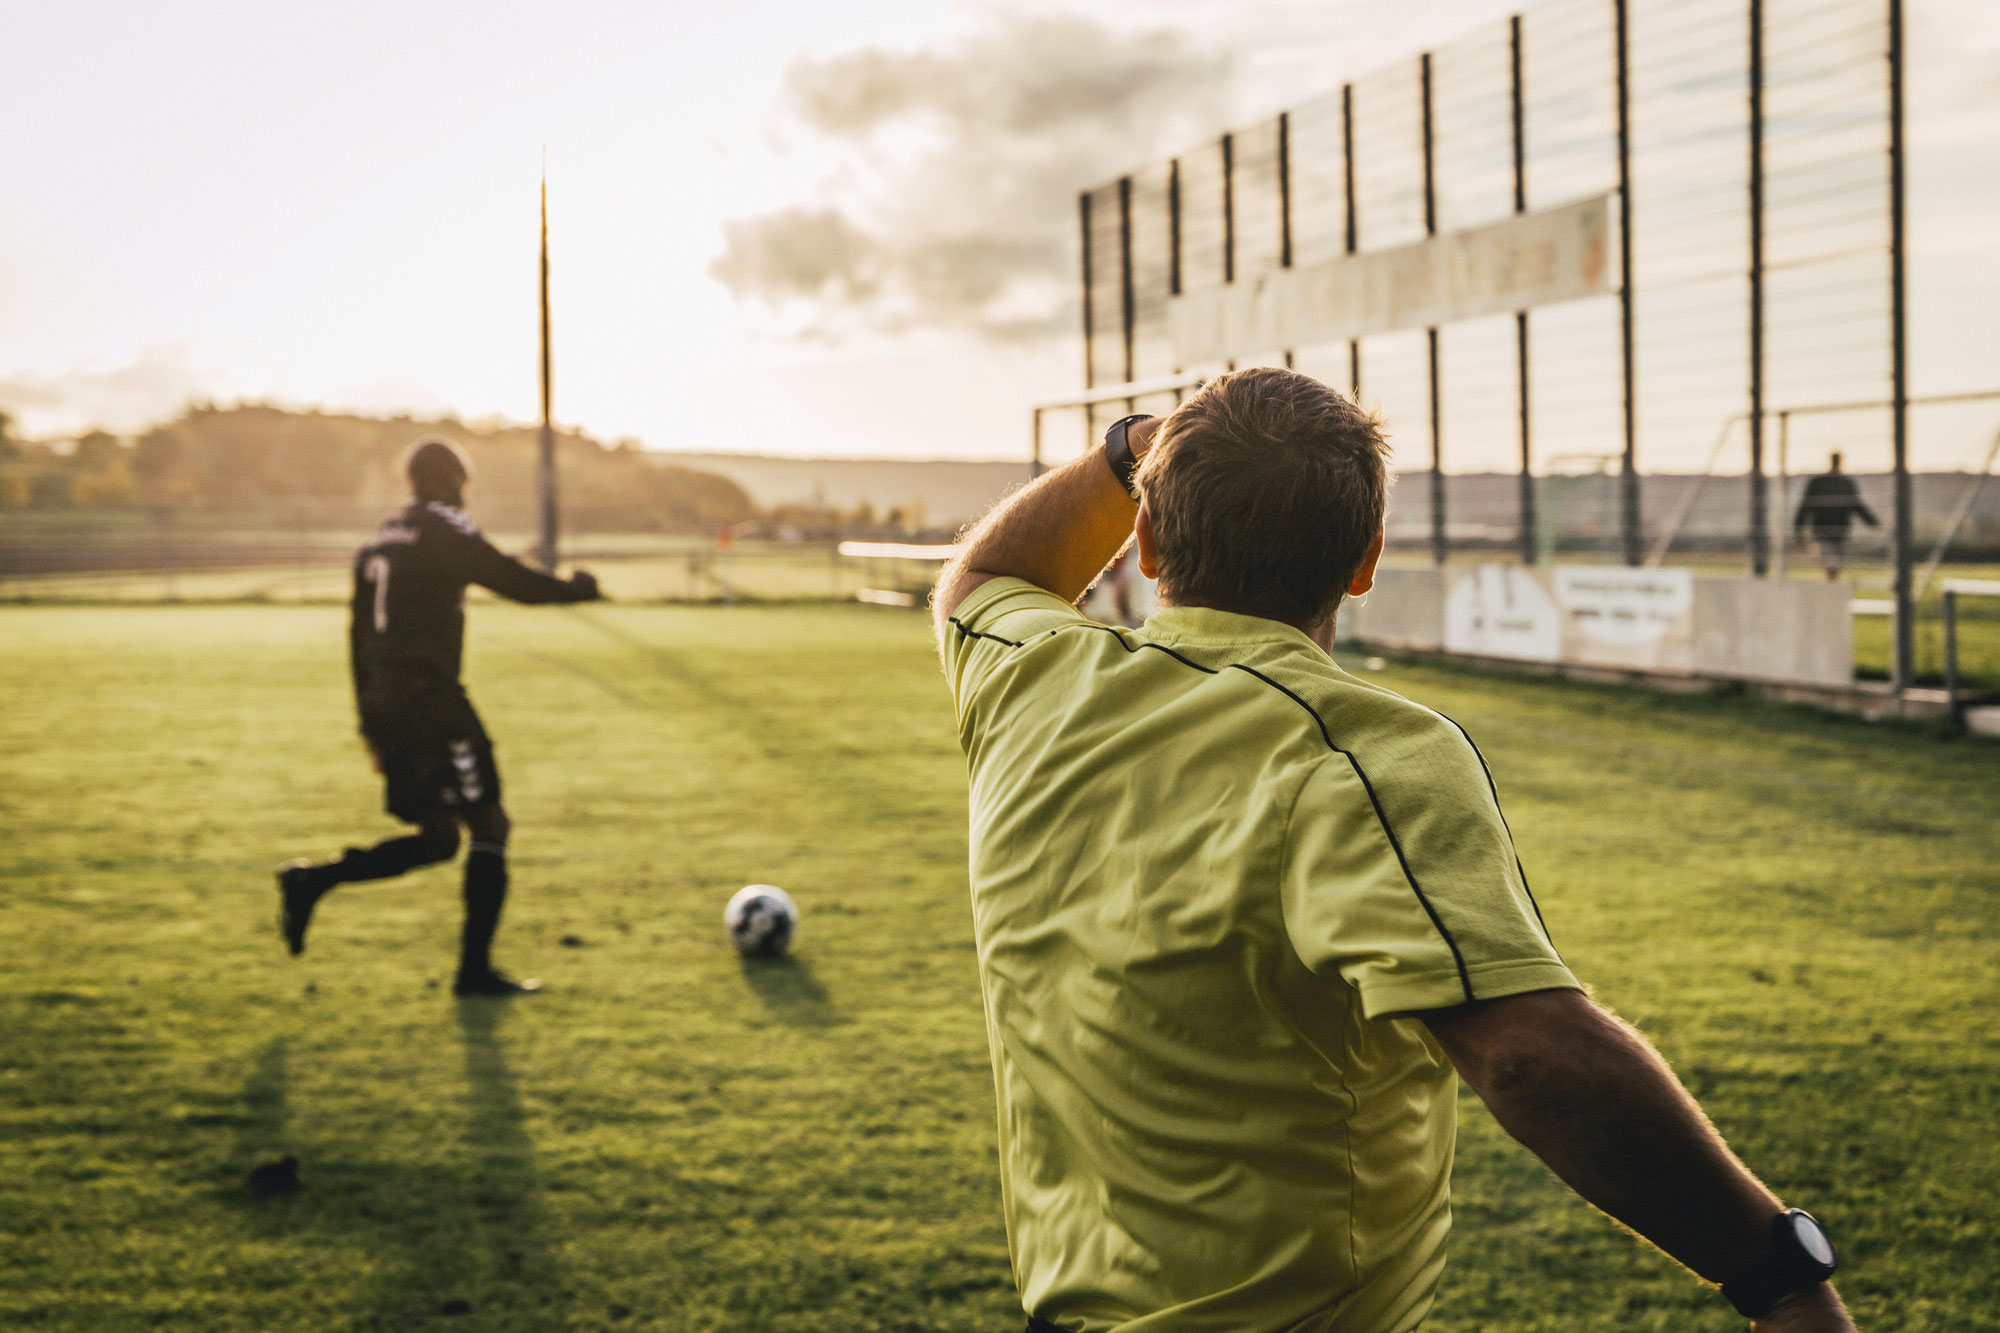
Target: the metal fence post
(1285, 200)
(1127, 302)
(1440, 543)
(1228, 208)
(1347, 164)
(1284, 189)
(1957, 714)
(1760, 537)
(1353, 238)
(1783, 527)
(546, 462)
(1628, 477)
(1521, 345)
(1906, 602)
(1089, 352)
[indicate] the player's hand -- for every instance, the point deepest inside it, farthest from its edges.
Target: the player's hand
(1816, 1311)
(585, 584)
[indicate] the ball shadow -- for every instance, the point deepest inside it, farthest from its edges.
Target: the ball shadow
(791, 992)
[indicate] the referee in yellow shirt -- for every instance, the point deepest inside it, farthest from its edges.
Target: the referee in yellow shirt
(1240, 916)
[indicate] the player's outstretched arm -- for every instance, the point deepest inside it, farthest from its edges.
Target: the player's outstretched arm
(1591, 1097)
(490, 568)
(1058, 532)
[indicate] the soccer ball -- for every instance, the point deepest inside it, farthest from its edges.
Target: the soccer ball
(761, 918)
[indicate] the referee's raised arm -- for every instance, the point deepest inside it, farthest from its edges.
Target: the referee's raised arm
(1058, 532)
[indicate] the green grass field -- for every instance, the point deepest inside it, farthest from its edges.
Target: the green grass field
(1800, 909)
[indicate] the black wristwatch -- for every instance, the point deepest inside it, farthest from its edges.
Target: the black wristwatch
(1800, 1257)
(1118, 452)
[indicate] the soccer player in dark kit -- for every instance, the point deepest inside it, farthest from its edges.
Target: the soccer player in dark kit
(1829, 507)
(406, 640)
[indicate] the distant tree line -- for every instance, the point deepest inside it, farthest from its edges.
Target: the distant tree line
(257, 462)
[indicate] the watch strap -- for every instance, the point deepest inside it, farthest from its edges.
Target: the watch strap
(1786, 1267)
(1118, 452)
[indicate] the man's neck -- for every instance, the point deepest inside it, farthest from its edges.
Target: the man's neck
(1320, 632)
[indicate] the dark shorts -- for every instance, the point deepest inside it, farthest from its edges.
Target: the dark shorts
(434, 752)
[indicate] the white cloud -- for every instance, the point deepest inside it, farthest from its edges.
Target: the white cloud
(157, 384)
(953, 202)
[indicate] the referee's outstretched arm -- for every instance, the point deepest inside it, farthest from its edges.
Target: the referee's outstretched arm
(1590, 1096)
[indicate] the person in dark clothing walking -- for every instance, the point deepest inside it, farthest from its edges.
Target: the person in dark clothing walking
(406, 640)
(1831, 504)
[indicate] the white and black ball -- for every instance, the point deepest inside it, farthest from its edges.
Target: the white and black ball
(761, 920)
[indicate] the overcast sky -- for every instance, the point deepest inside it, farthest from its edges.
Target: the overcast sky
(335, 204)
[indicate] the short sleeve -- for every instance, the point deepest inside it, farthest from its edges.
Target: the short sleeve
(998, 617)
(1400, 877)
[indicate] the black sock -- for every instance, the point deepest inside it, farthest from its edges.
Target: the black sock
(384, 860)
(485, 892)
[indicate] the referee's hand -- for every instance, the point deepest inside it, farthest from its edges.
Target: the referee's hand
(585, 584)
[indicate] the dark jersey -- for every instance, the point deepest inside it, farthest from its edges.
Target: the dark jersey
(1831, 504)
(408, 627)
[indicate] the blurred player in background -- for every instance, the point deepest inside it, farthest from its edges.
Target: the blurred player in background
(1831, 504)
(406, 639)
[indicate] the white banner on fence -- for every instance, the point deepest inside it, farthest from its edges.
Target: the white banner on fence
(1622, 617)
(1503, 611)
(1654, 620)
(1534, 259)
(1592, 615)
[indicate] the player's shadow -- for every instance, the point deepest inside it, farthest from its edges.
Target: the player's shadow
(260, 1134)
(791, 992)
(505, 1193)
(458, 1230)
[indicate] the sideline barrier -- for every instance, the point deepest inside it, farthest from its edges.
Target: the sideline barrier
(896, 553)
(1954, 589)
(1665, 622)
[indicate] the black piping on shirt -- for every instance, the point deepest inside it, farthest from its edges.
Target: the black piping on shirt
(1381, 817)
(1519, 869)
(1457, 958)
(959, 625)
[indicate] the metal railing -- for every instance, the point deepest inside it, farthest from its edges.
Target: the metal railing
(1953, 590)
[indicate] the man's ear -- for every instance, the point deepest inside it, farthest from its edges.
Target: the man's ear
(1364, 577)
(1149, 561)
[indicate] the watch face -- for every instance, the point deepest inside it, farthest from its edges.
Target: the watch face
(1811, 1239)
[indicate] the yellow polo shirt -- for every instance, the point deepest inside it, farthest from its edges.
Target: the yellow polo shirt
(1211, 871)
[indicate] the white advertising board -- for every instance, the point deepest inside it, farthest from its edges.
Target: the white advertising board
(1622, 617)
(1503, 611)
(1664, 621)
(1534, 259)
(1592, 615)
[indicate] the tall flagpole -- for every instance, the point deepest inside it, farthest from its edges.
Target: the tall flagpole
(547, 549)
